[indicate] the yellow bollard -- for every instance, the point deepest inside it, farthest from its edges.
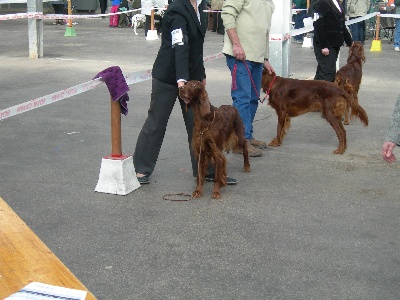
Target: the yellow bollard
(376, 43)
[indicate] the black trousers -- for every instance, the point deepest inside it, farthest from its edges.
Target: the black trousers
(163, 98)
(326, 69)
(58, 8)
(103, 6)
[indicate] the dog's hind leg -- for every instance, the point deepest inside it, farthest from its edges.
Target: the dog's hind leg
(336, 123)
(242, 144)
(349, 89)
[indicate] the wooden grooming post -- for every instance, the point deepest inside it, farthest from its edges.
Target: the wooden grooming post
(24, 258)
(116, 143)
(69, 30)
(117, 173)
(69, 13)
(151, 33)
(377, 25)
(152, 19)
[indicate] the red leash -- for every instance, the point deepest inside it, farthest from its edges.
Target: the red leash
(234, 86)
(270, 85)
(269, 90)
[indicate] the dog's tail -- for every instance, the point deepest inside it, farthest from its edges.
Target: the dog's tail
(356, 110)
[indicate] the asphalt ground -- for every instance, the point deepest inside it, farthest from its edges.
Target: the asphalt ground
(303, 224)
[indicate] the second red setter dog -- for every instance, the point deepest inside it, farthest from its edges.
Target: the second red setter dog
(349, 76)
(292, 97)
(215, 130)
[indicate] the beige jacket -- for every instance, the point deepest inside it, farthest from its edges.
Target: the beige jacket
(216, 4)
(252, 20)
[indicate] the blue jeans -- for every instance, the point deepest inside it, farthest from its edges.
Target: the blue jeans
(298, 23)
(358, 31)
(244, 95)
(396, 39)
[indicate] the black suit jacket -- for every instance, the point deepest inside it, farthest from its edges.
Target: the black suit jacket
(329, 25)
(181, 61)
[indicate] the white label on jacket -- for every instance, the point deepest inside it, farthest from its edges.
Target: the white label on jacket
(177, 37)
(316, 17)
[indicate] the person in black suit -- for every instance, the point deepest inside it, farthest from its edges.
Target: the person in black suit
(103, 6)
(179, 59)
(330, 32)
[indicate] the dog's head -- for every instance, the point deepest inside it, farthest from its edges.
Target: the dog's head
(356, 52)
(194, 94)
(193, 91)
(267, 79)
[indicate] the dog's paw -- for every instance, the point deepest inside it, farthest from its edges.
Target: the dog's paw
(338, 151)
(196, 194)
(274, 143)
(246, 169)
(216, 195)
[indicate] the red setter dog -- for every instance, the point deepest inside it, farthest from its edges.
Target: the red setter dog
(215, 130)
(292, 97)
(349, 76)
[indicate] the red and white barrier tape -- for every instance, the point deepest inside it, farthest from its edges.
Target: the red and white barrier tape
(40, 15)
(132, 78)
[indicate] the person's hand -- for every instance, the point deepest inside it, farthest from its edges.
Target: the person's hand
(180, 83)
(268, 67)
(387, 151)
(325, 51)
(204, 81)
(238, 52)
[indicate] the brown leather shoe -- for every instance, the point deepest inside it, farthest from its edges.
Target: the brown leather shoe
(258, 144)
(253, 151)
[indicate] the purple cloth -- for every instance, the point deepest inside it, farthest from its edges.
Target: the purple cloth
(117, 86)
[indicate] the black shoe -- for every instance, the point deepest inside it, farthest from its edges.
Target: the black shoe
(143, 180)
(229, 180)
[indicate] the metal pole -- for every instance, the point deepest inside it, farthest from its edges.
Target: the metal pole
(279, 43)
(35, 29)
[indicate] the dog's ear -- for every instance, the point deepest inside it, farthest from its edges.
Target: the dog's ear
(205, 105)
(362, 54)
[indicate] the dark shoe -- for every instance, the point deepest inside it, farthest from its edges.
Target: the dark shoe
(229, 180)
(143, 180)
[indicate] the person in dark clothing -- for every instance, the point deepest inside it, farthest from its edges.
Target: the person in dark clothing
(58, 7)
(330, 32)
(179, 59)
(103, 6)
(123, 20)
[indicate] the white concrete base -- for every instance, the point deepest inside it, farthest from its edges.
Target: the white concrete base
(117, 176)
(307, 42)
(152, 35)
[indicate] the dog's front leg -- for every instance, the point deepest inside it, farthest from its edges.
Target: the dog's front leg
(280, 131)
(220, 174)
(201, 174)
